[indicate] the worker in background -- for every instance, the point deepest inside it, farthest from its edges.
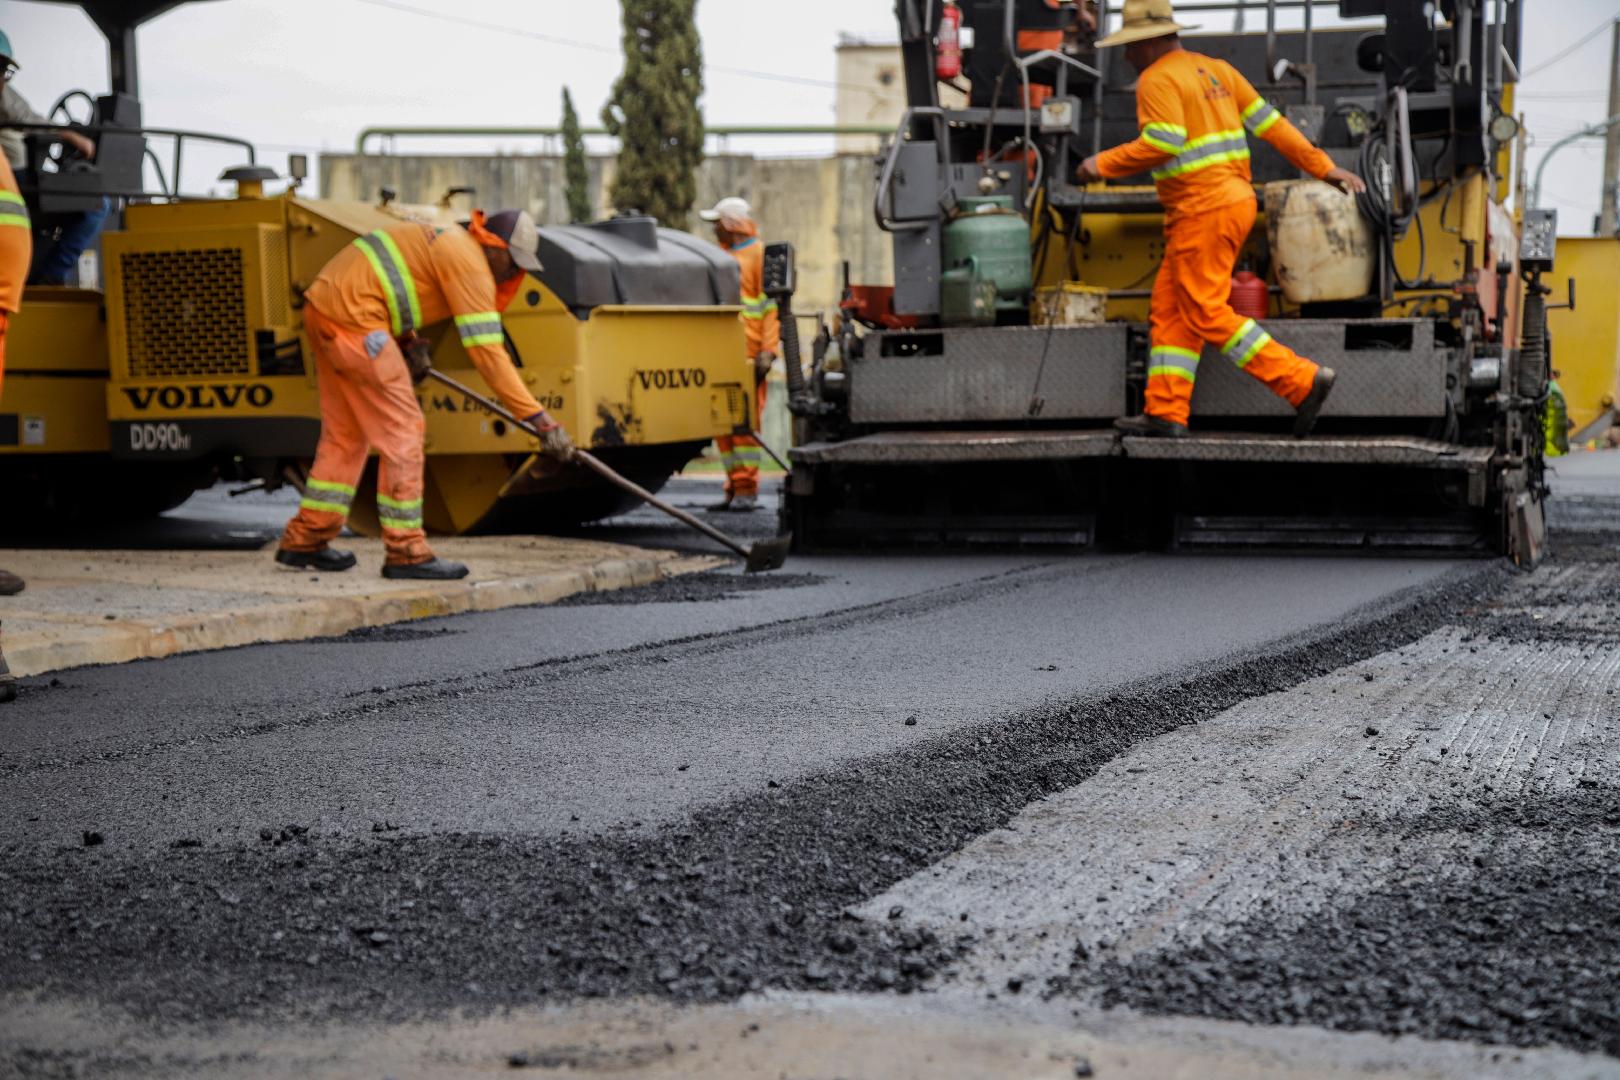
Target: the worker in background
(736, 231)
(1192, 111)
(59, 263)
(1556, 419)
(363, 315)
(16, 248)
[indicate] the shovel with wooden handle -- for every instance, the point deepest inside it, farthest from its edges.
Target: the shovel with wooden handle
(764, 555)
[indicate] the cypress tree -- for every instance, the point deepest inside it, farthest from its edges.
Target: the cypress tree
(576, 176)
(654, 112)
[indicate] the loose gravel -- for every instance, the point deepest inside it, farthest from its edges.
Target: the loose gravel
(755, 894)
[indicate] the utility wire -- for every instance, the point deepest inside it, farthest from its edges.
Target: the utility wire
(591, 46)
(1545, 64)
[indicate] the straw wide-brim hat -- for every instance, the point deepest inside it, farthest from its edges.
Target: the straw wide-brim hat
(1144, 19)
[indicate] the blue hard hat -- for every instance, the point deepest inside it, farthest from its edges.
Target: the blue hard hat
(5, 49)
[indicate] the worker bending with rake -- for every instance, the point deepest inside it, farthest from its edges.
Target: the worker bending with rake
(16, 251)
(1193, 111)
(363, 316)
(735, 230)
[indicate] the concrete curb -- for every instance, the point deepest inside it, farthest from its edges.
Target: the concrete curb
(72, 643)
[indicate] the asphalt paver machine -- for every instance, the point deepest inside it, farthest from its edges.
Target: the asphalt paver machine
(973, 399)
(191, 363)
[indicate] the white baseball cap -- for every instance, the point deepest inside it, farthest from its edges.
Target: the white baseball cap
(729, 209)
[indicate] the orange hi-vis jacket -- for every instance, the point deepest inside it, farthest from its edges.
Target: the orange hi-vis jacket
(409, 277)
(1193, 110)
(16, 241)
(761, 320)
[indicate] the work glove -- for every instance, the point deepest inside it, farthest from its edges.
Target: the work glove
(554, 440)
(762, 365)
(418, 356)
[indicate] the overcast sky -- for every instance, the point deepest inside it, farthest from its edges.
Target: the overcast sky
(309, 74)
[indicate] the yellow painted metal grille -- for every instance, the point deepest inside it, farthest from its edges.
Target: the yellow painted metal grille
(184, 313)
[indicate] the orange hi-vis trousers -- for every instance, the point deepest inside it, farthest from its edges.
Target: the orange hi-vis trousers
(366, 401)
(742, 454)
(1192, 307)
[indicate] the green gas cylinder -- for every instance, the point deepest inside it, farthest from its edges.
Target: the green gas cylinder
(987, 262)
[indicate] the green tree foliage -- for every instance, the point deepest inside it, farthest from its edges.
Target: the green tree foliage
(654, 112)
(576, 175)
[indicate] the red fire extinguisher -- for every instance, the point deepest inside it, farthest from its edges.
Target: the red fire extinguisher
(948, 61)
(1250, 296)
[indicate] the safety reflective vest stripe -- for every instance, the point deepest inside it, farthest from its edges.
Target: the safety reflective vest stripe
(1246, 344)
(13, 211)
(399, 288)
(480, 328)
(757, 307)
(395, 514)
(326, 496)
(1260, 116)
(1205, 151)
(1171, 138)
(1172, 361)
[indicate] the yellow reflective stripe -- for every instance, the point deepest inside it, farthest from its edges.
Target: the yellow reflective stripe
(405, 275)
(1246, 344)
(395, 514)
(1171, 138)
(13, 211)
(326, 496)
(1205, 151)
(1260, 116)
(390, 296)
(480, 328)
(1173, 361)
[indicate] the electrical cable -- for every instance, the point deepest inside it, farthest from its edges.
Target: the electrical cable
(591, 46)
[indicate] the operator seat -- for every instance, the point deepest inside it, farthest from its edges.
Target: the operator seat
(59, 187)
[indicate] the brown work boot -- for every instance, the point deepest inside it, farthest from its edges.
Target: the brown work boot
(8, 685)
(11, 584)
(1311, 407)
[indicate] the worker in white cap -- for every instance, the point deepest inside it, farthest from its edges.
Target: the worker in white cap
(735, 230)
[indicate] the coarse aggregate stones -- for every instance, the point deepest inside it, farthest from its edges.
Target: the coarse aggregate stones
(754, 894)
(1502, 924)
(1512, 937)
(694, 588)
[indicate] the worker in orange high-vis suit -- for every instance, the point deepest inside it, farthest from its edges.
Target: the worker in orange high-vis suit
(16, 251)
(362, 315)
(736, 231)
(1193, 111)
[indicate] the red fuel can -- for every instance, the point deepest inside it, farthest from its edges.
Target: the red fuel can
(1250, 296)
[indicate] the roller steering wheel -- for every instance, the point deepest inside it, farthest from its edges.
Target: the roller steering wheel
(60, 153)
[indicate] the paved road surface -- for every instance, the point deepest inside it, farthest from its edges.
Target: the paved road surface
(1260, 793)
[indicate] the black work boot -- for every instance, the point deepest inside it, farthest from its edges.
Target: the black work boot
(1311, 407)
(11, 584)
(1151, 427)
(326, 560)
(8, 685)
(435, 569)
(721, 507)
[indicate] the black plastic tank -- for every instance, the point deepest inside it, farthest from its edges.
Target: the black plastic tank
(630, 260)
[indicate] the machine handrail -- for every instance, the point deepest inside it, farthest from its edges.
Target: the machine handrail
(882, 203)
(723, 131)
(179, 136)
